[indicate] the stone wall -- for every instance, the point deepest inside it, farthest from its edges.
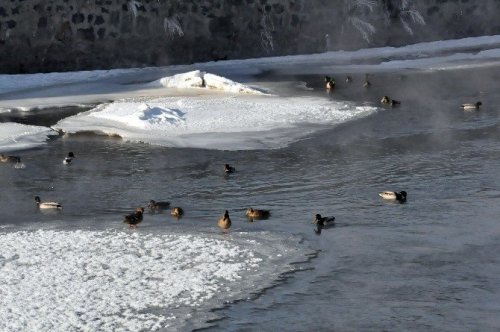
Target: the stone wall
(60, 35)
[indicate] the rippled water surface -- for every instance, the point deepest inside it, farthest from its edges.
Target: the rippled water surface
(429, 264)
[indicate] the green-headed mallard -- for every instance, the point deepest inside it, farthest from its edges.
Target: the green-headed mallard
(392, 195)
(471, 106)
(229, 169)
(69, 158)
(47, 205)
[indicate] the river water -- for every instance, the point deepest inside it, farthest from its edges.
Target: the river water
(428, 264)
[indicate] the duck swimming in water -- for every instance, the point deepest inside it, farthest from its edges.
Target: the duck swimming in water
(367, 83)
(322, 222)
(9, 159)
(177, 212)
(329, 83)
(257, 214)
(392, 195)
(387, 101)
(135, 218)
(47, 205)
(158, 206)
(69, 158)
(225, 222)
(471, 106)
(229, 169)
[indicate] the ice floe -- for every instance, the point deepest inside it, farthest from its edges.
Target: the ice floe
(215, 122)
(200, 79)
(16, 136)
(128, 281)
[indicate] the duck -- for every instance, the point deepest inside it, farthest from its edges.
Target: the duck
(388, 101)
(176, 212)
(258, 214)
(229, 169)
(348, 79)
(158, 206)
(9, 159)
(135, 218)
(69, 158)
(19, 164)
(367, 83)
(471, 106)
(47, 205)
(393, 195)
(329, 82)
(322, 222)
(225, 222)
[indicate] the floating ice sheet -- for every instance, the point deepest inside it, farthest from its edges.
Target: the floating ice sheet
(216, 122)
(16, 136)
(129, 281)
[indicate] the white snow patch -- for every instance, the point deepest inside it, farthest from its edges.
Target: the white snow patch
(16, 136)
(215, 122)
(199, 79)
(123, 281)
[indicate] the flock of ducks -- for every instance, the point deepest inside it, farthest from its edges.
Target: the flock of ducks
(16, 160)
(224, 223)
(386, 101)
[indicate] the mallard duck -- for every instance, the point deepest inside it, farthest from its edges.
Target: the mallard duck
(387, 101)
(329, 82)
(392, 195)
(157, 206)
(366, 83)
(9, 159)
(176, 212)
(471, 106)
(225, 222)
(254, 213)
(69, 158)
(135, 218)
(47, 205)
(229, 169)
(322, 222)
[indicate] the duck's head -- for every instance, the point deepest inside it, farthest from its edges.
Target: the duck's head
(385, 99)
(151, 204)
(327, 78)
(37, 199)
(318, 217)
(403, 193)
(226, 214)
(478, 103)
(71, 155)
(139, 210)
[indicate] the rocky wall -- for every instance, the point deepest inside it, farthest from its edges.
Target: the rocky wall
(61, 35)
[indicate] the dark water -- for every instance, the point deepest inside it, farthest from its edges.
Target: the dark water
(429, 264)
